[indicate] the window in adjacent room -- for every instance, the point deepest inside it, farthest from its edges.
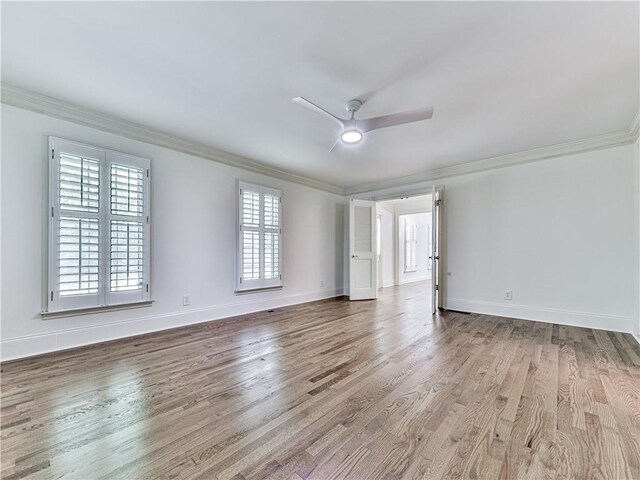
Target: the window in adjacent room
(98, 227)
(410, 246)
(259, 237)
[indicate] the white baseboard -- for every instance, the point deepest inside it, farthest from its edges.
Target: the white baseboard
(637, 337)
(597, 321)
(389, 282)
(416, 279)
(30, 345)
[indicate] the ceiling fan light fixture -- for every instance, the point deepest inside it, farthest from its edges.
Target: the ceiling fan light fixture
(351, 136)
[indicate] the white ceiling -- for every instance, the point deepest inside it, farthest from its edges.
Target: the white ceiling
(502, 77)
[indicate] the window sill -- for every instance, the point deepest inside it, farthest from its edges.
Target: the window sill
(257, 290)
(87, 311)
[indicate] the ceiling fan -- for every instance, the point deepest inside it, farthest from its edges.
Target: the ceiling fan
(352, 130)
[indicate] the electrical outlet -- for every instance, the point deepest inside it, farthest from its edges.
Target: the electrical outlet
(508, 295)
(186, 300)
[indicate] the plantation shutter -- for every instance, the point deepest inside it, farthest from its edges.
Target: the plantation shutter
(271, 240)
(75, 223)
(250, 241)
(99, 227)
(127, 220)
(259, 237)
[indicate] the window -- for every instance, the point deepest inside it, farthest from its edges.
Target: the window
(98, 227)
(259, 237)
(410, 246)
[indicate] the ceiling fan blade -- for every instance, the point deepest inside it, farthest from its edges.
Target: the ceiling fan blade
(312, 106)
(335, 145)
(395, 119)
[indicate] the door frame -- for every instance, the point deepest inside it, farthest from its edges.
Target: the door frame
(406, 194)
(417, 192)
(379, 247)
(437, 288)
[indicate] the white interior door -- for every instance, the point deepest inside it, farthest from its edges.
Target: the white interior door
(363, 267)
(436, 229)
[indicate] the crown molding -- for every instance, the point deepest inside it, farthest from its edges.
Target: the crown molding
(21, 98)
(543, 153)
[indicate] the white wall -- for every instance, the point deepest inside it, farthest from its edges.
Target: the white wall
(422, 221)
(559, 233)
(193, 241)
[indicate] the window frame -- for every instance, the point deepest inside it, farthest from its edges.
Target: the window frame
(261, 283)
(57, 303)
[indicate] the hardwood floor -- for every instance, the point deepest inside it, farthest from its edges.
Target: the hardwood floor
(331, 390)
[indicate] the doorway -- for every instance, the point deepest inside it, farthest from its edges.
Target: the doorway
(395, 242)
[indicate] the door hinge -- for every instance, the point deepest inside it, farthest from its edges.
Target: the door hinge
(147, 219)
(52, 295)
(147, 288)
(52, 154)
(438, 202)
(52, 212)
(437, 287)
(280, 199)
(147, 173)
(240, 279)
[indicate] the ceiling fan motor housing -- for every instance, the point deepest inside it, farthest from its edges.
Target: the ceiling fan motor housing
(353, 106)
